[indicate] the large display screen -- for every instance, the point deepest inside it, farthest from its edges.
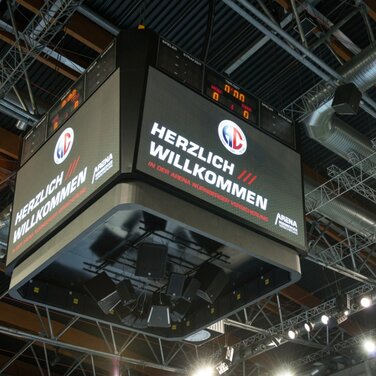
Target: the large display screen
(77, 160)
(199, 148)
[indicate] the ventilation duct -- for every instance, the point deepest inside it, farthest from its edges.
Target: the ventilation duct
(329, 130)
(345, 212)
(336, 135)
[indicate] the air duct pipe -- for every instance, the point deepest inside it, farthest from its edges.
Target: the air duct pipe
(345, 212)
(328, 129)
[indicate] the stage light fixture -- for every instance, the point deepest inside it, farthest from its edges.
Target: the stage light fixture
(292, 334)
(222, 368)
(204, 371)
(230, 353)
(285, 372)
(369, 346)
(308, 326)
(325, 319)
(366, 301)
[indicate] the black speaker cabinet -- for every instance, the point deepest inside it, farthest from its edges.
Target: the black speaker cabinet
(191, 289)
(180, 310)
(212, 281)
(346, 99)
(126, 291)
(175, 285)
(159, 316)
(151, 261)
(103, 290)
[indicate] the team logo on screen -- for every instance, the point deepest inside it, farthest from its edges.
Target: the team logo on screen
(232, 137)
(63, 146)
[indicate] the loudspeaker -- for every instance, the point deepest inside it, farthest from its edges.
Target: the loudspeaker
(175, 285)
(212, 281)
(180, 310)
(103, 290)
(151, 261)
(125, 314)
(191, 289)
(126, 291)
(346, 99)
(159, 316)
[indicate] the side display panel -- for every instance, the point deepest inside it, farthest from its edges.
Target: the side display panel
(78, 159)
(191, 144)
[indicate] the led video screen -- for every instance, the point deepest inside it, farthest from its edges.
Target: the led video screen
(193, 145)
(75, 162)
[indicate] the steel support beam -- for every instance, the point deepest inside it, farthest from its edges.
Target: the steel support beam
(36, 37)
(85, 350)
(293, 47)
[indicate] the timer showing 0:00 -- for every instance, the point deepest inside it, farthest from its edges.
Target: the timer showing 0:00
(230, 96)
(226, 97)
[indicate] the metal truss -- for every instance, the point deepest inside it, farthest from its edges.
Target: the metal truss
(164, 357)
(348, 181)
(311, 100)
(344, 255)
(278, 331)
(40, 31)
(115, 350)
(360, 172)
(338, 347)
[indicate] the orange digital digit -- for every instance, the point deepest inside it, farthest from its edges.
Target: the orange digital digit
(246, 114)
(215, 96)
(236, 94)
(227, 88)
(242, 97)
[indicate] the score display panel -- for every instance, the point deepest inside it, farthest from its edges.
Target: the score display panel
(197, 147)
(230, 96)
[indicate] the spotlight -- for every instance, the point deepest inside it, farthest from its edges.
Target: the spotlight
(308, 326)
(222, 368)
(204, 371)
(230, 353)
(325, 319)
(369, 346)
(347, 312)
(285, 372)
(292, 333)
(366, 301)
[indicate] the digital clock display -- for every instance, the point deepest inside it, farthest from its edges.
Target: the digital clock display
(231, 97)
(67, 105)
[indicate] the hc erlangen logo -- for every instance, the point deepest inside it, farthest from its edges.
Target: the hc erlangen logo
(63, 146)
(232, 137)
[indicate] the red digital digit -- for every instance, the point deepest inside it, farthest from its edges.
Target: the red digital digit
(215, 96)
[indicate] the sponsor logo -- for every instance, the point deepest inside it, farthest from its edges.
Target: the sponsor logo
(63, 146)
(286, 223)
(102, 167)
(232, 137)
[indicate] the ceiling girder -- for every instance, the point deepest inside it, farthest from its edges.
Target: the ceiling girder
(79, 27)
(10, 144)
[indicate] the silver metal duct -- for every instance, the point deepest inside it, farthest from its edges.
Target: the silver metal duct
(336, 135)
(345, 212)
(332, 132)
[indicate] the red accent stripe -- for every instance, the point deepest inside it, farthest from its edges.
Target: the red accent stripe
(75, 164)
(252, 180)
(242, 174)
(247, 177)
(69, 171)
